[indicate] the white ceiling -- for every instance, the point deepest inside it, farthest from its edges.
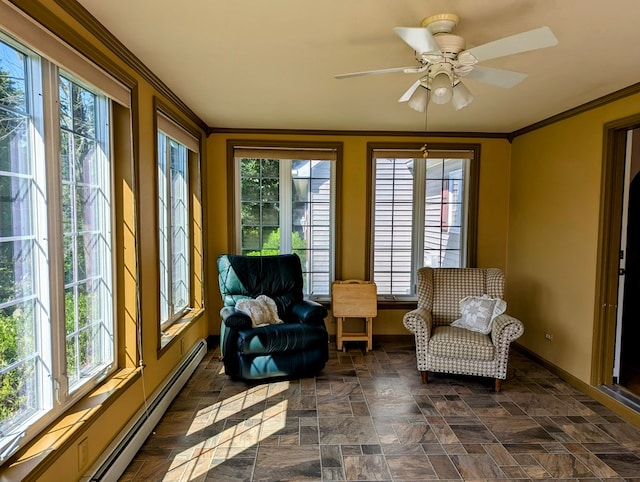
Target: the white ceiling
(270, 64)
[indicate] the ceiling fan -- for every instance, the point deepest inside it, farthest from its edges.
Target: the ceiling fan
(443, 59)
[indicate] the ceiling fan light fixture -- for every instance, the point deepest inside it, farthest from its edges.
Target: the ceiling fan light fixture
(461, 97)
(441, 88)
(444, 57)
(419, 99)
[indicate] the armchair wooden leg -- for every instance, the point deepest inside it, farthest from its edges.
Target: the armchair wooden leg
(498, 384)
(339, 342)
(424, 377)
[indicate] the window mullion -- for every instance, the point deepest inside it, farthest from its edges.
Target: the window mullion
(285, 196)
(184, 156)
(419, 202)
(464, 222)
(238, 203)
(107, 218)
(332, 222)
(169, 233)
(55, 232)
(74, 255)
(42, 253)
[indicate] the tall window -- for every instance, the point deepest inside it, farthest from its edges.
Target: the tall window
(285, 203)
(173, 220)
(420, 214)
(57, 324)
(86, 226)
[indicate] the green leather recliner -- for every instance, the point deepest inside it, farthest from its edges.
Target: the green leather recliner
(299, 347)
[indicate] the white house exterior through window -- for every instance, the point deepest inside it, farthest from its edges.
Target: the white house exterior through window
(420, 215)
(285, 203)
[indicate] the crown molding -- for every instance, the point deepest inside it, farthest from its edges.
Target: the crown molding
(607, 99)
(51, 22)
(82, 15)
(318, 132)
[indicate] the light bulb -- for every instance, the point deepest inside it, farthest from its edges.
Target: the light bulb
(461, 96)
(441, 89)
(419, 99)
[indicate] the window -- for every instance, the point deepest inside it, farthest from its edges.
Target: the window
(57, 324)
(285, 203)
(86, 226)
(423, 214)
(174, 147)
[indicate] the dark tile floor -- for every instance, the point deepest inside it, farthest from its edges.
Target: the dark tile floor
(368, 417)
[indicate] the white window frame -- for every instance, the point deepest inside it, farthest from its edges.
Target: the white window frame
(467, 230)
(43, 350)
(49, 57)
(286, 156)
(169, 313)
(105, 175)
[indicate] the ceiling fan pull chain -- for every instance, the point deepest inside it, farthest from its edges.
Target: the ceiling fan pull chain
(425, 149)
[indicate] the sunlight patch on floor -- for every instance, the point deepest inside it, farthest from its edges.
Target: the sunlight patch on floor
(248, 417)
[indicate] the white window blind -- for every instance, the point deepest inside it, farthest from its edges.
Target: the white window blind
(176, 132)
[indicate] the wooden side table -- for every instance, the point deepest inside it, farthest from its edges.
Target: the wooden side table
(354, 299)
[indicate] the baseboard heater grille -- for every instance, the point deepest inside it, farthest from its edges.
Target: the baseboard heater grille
(120, 453)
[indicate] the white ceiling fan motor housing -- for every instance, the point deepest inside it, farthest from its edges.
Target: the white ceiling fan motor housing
(440, 23)
(440, 26)
(450, 45)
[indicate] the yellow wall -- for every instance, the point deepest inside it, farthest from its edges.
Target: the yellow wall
(492, 214)
(553, 234)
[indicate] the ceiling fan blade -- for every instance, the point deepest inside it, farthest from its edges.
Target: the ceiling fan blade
(407, 95)
(538, 38)
(498, 77)
(407, 70)
(419, 39)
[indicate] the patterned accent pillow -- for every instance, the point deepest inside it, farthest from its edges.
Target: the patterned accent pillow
(262, 310)
(478, 313)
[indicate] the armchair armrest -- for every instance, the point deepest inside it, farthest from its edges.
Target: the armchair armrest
(419, 321)
(505, 329)
(309, 312)
(235, 319)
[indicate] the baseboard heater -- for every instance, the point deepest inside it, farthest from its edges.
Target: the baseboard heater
(117, 457)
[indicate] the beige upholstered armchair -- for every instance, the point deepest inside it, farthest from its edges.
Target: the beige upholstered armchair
(443, 348)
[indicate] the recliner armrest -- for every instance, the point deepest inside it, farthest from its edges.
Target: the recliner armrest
(309, 312)
(235, 319)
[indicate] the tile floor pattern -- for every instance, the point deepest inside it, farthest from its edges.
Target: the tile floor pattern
(368, 417)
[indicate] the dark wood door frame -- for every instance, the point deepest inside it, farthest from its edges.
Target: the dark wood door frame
(611, 201)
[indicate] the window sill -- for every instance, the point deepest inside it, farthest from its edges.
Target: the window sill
(170, 335)
(324, 300)
(384, 302)
(396, 303)
(31, 461)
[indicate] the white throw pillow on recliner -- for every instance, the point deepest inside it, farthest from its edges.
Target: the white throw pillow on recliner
(262, 310)
(478, 313)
